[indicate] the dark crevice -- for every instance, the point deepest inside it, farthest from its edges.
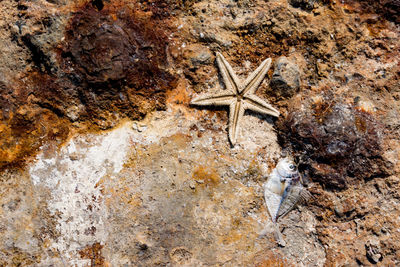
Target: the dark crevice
(50, 107)
(98, 4)
(38, 57)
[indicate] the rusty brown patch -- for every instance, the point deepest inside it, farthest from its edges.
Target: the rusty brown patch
(337, 143)
(93, 252)
(166, 8)
(270, 259)
(117, 57)
(111, 65)
(24, 127)
(386, 9)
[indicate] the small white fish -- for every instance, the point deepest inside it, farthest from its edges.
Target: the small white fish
(282, 192)
(283, 189)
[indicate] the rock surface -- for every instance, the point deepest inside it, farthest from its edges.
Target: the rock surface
(103, 162)
(285, 80)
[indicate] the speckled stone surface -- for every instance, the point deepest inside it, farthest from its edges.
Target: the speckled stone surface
(104, 162)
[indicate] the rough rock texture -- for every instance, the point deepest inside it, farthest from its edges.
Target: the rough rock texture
(285, 80)
(87, 64)
(103, 162)
(338, 143)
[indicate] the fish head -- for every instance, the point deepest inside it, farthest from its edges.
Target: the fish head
(287, 169)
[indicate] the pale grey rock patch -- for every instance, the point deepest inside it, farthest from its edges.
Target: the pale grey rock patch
(286, 77)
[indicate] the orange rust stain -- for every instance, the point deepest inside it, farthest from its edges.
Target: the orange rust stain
(206, 175)
(25, 131)
(179, 140)
(180, 95)
(93, 253)
(232, 237)
(274, 262)
(179, 99)
(376, 27)
(270, 259)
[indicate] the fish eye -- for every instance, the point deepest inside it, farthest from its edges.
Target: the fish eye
(292, 167)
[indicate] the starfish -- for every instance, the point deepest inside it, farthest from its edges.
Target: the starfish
(239, 95)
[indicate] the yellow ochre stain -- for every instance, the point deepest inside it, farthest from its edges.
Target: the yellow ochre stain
(206, 175)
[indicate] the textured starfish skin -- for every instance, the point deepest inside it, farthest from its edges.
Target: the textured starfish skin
(239, 95)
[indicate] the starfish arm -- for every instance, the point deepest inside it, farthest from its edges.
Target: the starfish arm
(231, 81)
(236, 111)
(224, 99)
(253, 81)
(256, 104)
